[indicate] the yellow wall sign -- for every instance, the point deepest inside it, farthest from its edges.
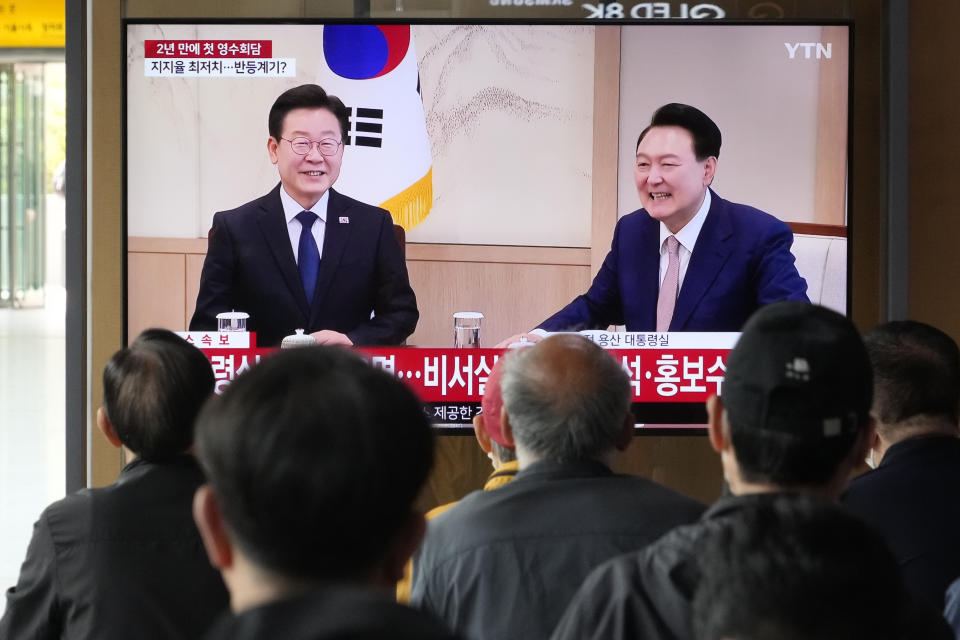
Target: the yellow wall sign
(32, 23)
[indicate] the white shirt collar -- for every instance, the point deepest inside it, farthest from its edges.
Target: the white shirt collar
(687, 236)
(291, 208)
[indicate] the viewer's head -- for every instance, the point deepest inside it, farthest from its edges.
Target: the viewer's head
(565, 399)
(487, 426)
(797, 569)
(314, 459)
(795, 404)
(916, 380)
(152, 392)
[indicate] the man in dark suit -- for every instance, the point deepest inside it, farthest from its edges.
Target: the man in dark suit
(304, 256)
(913, 496)
(125, 560)
(689, 260)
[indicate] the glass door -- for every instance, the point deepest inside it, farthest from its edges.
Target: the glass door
(22, 185)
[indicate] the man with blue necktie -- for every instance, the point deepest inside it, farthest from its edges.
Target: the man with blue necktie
(304, 256)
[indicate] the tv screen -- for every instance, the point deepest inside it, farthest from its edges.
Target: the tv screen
(506, 151)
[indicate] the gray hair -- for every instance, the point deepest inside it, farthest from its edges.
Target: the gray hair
(566, 398)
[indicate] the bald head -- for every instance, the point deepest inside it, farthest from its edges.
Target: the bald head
(566, 399)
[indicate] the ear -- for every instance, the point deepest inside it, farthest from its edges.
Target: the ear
(272, 149)
(405, 544)
(625, 437)
(506, 429)
(715, 432)
(482, 436)
(213, 531)
(106, 428)
(869, 439)
(709, 170)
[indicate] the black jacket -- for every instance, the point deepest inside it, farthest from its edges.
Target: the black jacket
(329, 613)
(649, 595)
(913, 499)
(123, 561)
(504, 563)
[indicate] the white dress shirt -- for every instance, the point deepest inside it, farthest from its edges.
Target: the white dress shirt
(687, 237)
(290, 210)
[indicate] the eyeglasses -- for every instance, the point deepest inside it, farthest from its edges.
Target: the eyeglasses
(326, 147)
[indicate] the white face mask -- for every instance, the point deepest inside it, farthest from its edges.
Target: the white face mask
(869, 460)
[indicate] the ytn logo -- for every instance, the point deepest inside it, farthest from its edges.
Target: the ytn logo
(810, 50)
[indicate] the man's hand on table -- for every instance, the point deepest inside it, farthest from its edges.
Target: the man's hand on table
(331, 337)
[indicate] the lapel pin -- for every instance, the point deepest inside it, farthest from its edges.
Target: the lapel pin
(344, 220)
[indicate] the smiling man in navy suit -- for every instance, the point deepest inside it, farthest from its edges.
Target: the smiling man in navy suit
(688, 260)
(304, 256)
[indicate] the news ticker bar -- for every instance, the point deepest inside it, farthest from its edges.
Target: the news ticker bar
(668, 384)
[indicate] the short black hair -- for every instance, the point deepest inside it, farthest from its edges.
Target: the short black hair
(703, 130)
(797, 568)
(315, 457)
(153, 391)
(306, 96)
(916, 371)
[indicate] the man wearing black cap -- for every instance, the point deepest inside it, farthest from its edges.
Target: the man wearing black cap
(794, 418)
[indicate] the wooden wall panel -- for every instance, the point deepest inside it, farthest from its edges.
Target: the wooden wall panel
(155, 283)
(513, 297)
(194, 264)
(606, 136)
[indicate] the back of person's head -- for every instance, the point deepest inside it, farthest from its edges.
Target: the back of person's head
(315, 458)
(565, 398)
(491, 405)
(704, 131)
(916, 375)
(306, 96)
(153, 391)
(796, 394)
(797, 568)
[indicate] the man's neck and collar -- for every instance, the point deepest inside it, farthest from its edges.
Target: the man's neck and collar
(531, 464)
(741, 486)
(688, 232)
(291, 207)
(916, 432)
(503, 470)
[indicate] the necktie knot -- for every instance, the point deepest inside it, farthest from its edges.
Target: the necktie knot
(673, 245)
(307, 218)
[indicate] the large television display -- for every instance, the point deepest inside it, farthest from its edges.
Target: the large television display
(505, 151)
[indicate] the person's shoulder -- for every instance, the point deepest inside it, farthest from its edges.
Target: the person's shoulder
(249, 210)
(655, 492)
(329, 612)
(70, 518)
(745, 215)
(638, 219)
(341, 203)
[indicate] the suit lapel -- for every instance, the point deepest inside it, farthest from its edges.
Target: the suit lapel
(273, 225)
(709, 255)
(335, 237)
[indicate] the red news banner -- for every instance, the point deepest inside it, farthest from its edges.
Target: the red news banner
(663, 368)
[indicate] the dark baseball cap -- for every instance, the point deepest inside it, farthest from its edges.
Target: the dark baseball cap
(800, 369)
